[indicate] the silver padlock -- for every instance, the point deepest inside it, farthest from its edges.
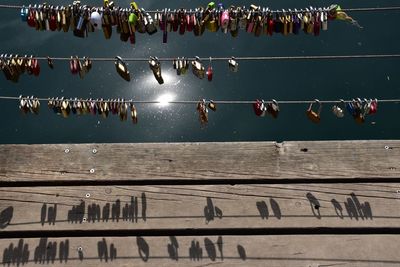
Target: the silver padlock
(198, 68)
(233, 64)
(338, 109)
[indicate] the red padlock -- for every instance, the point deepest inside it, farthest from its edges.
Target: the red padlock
(189, 24)
(373, 107)
(53, 22)
(317, 24)
(209, 73)
(182, 26)
(31, 19)
(259, 108)
(271, 26)
(35, 67)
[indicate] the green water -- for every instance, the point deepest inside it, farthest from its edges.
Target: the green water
(283, 80)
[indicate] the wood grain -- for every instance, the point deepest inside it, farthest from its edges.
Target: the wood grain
(201, 161)
(200, 207)
(277, 251)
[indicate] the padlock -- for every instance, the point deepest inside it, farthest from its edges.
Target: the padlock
(259, 108)
(250, 22)
(24, 14)
(35, 105)
(224, 21)
(74, 65)
(123, 111)
(122, 69)
(190, 21)
(317, 23)
(53, 21)
(134, 6)
(65, 108)
(271, 25)
(273, 108)
(23, 105)
(203, 112)
(35, 67)
(296, 23)
(182, 22)
(366, 106)
(233, 64)
(211, 5)
(209, 72)
(95, 20)
(374, 107)
(324, 21)
(198, 68)
(155, 66)
(212, 25)
(358, 113)
(212, 105)
(312, 115)
(134, 116)
(338, 109)
(150, 26)
(93, 106)
(50, 63)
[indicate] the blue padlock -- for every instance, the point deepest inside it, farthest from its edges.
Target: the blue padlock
(350, 108)
(24, 13)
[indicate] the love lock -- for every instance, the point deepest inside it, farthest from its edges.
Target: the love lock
(312, 115)
(209, 72)
(259, 108)
(373, 107)
(338, 109)
(155, 66)
(122, 69)
(233, 65)
(358, 113)
(198, 68)
(203, 111)
(212, 106)
(134, 113)
(273, 108)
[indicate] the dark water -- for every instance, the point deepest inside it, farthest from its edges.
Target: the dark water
(284, 80)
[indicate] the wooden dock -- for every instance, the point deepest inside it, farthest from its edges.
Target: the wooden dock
(334, 203)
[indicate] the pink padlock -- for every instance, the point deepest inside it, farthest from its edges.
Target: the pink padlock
(224, 22)
(373, 107)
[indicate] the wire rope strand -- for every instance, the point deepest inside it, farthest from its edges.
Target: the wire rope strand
(250, 58)
(224, 102)
(356, 9)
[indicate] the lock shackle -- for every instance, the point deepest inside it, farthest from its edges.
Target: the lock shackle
(316, 101)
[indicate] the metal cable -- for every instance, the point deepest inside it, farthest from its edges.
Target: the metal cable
(255, 58)
(224, 102)
(357, 9)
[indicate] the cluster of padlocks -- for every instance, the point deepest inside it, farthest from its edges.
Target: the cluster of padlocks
(257, 20)
(100, 107)
(13, 66)
(357, 108)
(29, 105)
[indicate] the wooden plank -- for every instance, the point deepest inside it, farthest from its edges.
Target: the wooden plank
(348, 250)
(199, 207)
(187, 161)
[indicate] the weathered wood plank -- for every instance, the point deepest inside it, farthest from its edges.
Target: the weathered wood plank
(185, 161)
(199, 207)
(348, 250)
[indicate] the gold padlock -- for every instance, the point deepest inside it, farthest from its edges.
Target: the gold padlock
(122, 69)
(312, 115)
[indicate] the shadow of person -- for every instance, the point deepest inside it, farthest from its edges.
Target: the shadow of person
(6, 216)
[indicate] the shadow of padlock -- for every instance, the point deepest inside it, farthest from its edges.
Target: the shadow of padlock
(311, 114)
